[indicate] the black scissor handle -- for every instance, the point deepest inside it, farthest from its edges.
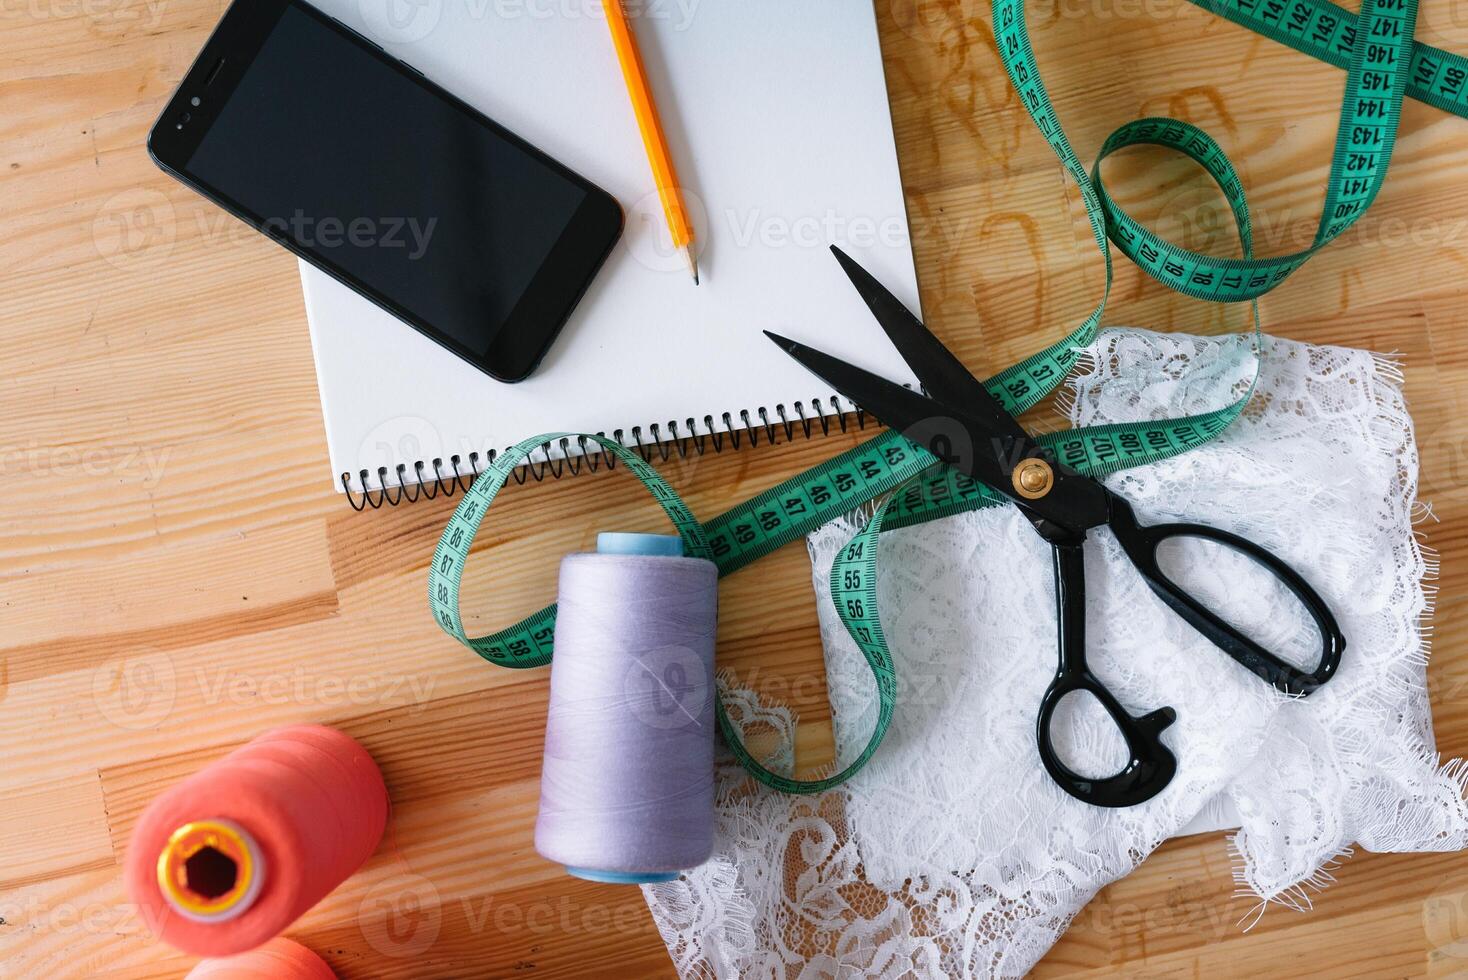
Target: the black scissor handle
(1141, 544)
(1150, 764)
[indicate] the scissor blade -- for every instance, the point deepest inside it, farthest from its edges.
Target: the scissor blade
(954, 438)
(967, 443)
(940, 372)
(889, 401)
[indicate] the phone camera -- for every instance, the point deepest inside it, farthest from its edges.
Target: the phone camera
(196, 102)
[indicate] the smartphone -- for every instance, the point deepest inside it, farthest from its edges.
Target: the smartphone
(358, 164)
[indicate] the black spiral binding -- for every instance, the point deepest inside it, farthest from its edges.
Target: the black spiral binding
(429, 486)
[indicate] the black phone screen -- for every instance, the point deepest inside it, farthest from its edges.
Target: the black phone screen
(406, 194)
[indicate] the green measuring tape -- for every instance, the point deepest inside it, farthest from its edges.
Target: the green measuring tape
(773, 519)
(1379, 53)
(1376, 82)
(1327, 31)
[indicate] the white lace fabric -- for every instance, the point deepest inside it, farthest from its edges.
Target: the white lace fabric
(953, 853)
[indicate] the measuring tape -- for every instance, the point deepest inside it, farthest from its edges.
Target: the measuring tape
(772, 520)
(786, 513)
(1379, 54)
(1327, 31)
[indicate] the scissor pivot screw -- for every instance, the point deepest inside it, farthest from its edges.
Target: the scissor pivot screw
(1033, 478)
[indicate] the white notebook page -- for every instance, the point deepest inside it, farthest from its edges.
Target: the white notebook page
(777, 115)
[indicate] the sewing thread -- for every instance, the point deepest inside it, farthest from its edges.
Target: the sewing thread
(279, 959)
(226, 860)
(627, 793)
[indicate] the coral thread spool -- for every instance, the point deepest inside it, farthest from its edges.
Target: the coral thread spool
(279, 959)
(627, 792)
(227, 859)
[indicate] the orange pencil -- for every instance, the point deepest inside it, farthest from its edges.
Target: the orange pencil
(663, 171)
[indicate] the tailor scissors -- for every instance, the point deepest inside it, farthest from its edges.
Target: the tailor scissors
(1062, 505)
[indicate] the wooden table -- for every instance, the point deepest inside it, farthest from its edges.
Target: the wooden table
(178, 574)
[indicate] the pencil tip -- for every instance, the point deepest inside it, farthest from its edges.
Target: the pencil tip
(692, 261)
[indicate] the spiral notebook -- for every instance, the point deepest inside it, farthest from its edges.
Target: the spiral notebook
(777, 113)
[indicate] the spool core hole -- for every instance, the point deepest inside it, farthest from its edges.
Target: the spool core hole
(209, 873)
(210, 870)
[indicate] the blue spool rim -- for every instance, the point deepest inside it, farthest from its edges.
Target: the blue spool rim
(628, 543)
(623, 877)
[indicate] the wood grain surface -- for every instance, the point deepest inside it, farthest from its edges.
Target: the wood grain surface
(177, 575)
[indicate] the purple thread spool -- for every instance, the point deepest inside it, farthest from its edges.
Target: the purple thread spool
(627, 790)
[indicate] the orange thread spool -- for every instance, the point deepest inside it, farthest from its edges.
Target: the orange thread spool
(279, 959)
(226, 860)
